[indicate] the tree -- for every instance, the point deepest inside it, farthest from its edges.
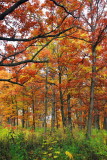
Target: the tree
(23, 25)
(77, 58)
(95, 21)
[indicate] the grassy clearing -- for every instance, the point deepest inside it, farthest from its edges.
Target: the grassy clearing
(29, 145)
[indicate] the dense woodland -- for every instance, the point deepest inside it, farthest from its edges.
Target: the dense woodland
(53, 64)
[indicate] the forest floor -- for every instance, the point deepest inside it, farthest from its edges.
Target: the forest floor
(18, 144)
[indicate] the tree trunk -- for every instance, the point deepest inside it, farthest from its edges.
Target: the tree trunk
(96, 122)
(53, 109)
(81, 118)
(105, 123)
(61, 98)
(27, 119)
(13, 112)
(46, 99)
(69, 112)
(23, 121)
(92, 88)
(17, 123)
(8, 120)
(16, 111)
(96, 119)
(33, 110)
(57, 124)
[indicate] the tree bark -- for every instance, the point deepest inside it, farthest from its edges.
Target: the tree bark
(61, 98)
(69, 112)
(16, 111)
(12, 8)
(96, 122)
(96, 119)
(33, 110)
(46, 99)
(23, 121)
(53, 110)
(92, 89)
(105, 123)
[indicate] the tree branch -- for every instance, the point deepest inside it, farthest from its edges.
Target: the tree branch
(21, 62)
(11, 9)
(42, 48)
(15, 54)
(100, 37)
(37, 37)
(63, 7)
(8, 80)
(82, 39)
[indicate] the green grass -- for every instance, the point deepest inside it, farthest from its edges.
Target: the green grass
(29, 145)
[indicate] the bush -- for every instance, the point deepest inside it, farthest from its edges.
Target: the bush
(30, 145)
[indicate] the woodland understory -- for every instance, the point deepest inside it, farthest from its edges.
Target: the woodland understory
(53, 72)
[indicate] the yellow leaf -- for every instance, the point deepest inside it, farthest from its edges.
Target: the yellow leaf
(98, 48)
(45, 152)
(50, 154)
(50, 148)
(55, 156)
(69, 154)
(57, 152)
